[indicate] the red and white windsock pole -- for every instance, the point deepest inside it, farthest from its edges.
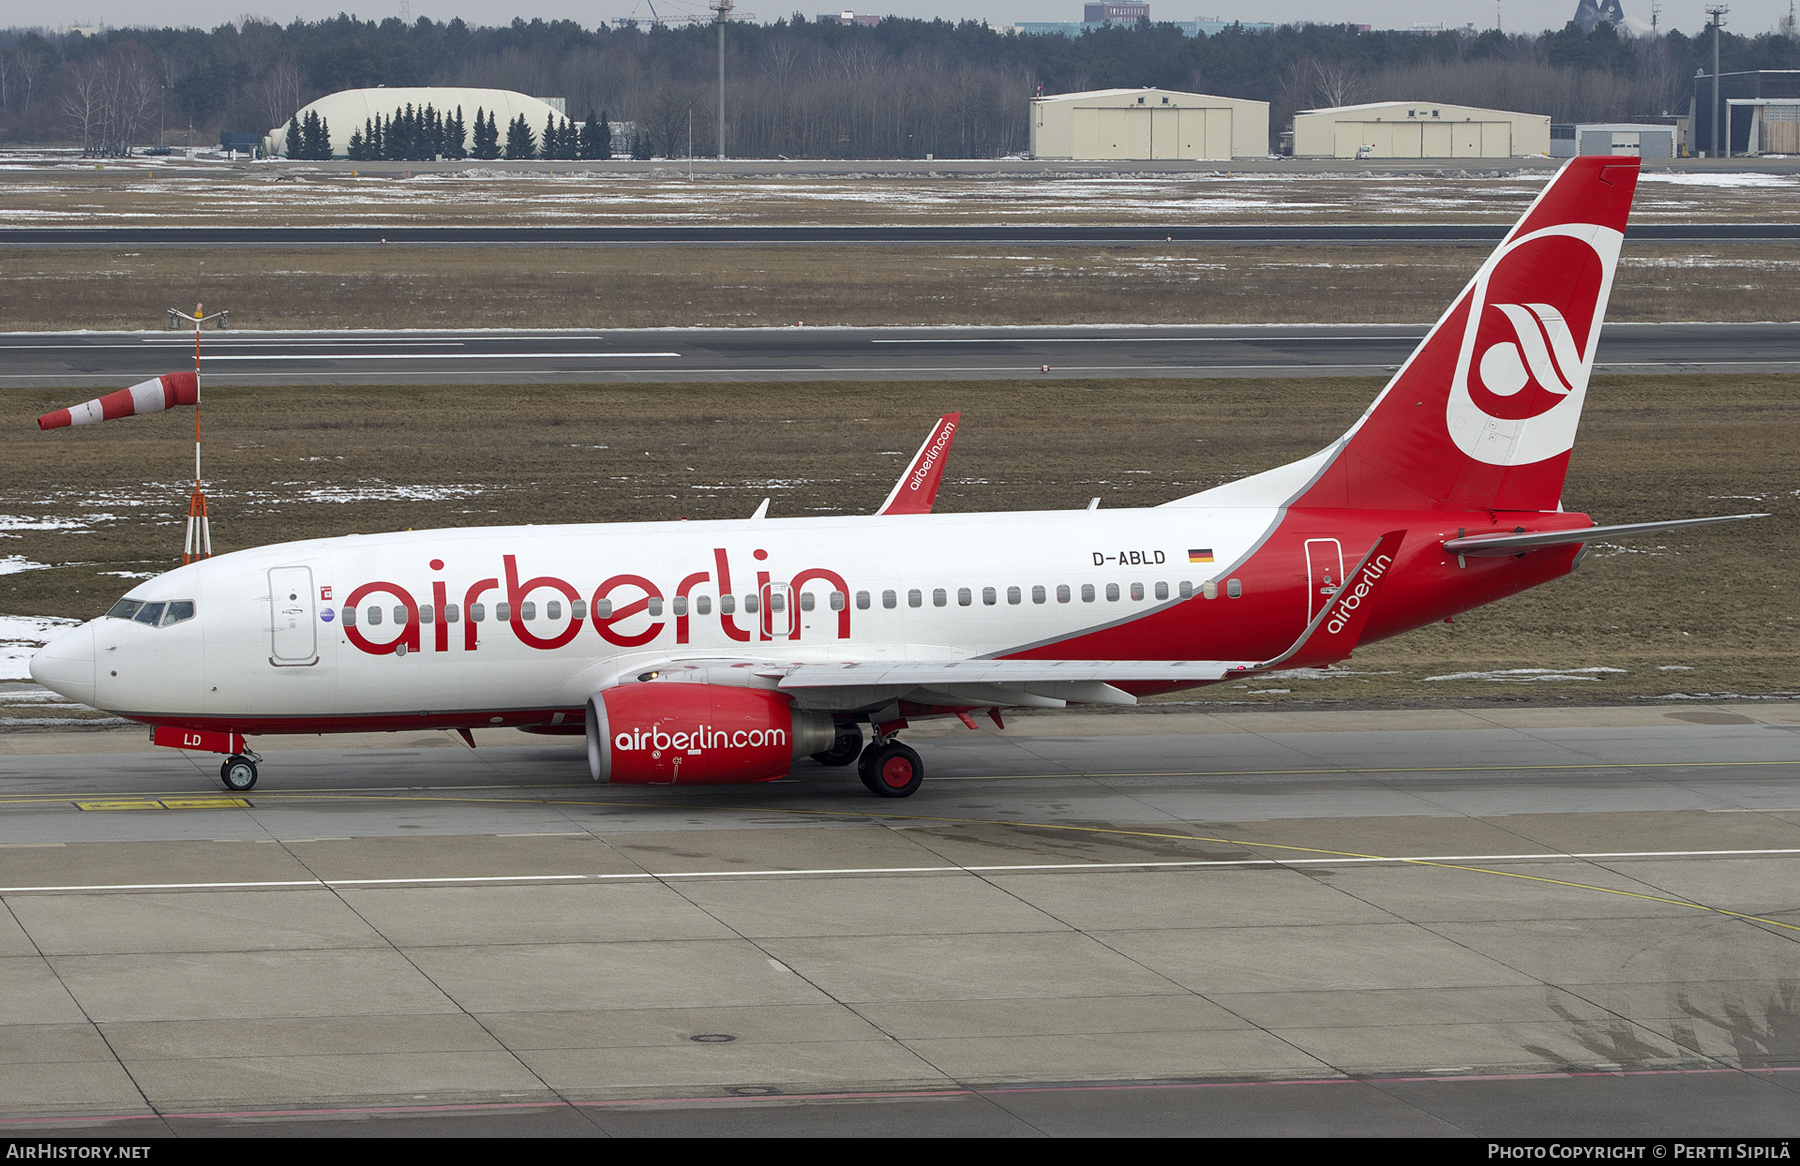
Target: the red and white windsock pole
(199, 528)
(154, 396)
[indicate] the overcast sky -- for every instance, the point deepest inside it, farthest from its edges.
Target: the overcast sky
(1747, 16)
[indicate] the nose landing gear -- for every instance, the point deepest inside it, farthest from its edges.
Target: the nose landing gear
(238, 773)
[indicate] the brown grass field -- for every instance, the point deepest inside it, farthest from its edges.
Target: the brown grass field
(45, 289)
(1699, 613)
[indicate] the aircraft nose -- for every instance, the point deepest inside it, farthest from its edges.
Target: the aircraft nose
(66, 665)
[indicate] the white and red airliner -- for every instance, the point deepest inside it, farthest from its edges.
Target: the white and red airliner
(722, 651)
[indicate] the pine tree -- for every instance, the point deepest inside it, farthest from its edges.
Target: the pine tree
(487, 137)
(520, 141)
(455, 136)
(292, 147)
(552, 140)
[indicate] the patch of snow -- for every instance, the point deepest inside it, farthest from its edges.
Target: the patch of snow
(1527, 675)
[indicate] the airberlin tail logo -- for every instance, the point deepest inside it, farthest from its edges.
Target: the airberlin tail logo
(1533, 319)
(1542, 351)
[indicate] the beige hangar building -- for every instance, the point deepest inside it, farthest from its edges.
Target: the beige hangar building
(1418, 129)
(1148, 124)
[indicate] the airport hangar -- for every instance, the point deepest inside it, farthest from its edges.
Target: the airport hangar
(1419, 129)
(346, 111)
(1148, 124)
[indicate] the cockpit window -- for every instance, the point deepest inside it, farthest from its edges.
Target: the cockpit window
(156, 615)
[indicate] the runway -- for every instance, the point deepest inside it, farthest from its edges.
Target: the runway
(1494, 923)
(714, 235)
(101, 359)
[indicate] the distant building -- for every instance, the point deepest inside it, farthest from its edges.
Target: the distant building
(1418, 129)
(1624, 139)
(346, 112)
(1764, 111)
(1148, 124)
(1114, 13)
(861, 18)
(1074, 28)
(1590, 13)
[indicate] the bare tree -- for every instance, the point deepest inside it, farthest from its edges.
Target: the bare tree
(277, 95)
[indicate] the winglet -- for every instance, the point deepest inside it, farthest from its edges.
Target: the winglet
(1333, 633)
(918, 486)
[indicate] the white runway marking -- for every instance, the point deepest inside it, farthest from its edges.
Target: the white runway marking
(643, 876)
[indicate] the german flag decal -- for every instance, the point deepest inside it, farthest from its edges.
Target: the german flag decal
(1203, 555)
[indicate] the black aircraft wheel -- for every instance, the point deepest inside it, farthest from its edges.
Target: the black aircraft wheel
(892, 770)
(847, 748)
(238, 774)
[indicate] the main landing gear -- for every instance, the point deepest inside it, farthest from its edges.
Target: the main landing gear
(889, 769)
(238, 773)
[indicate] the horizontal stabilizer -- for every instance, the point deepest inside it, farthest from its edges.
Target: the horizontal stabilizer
(1496, 545)
(917, 488)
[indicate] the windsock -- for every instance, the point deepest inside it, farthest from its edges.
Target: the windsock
(165, 392)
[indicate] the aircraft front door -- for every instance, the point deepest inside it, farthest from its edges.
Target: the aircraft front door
(293, 626)
(1324, 573)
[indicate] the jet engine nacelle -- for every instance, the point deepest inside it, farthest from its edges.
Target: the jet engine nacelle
(664, 733)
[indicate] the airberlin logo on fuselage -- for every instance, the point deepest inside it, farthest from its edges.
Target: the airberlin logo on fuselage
(1351, 598)
(627, 611)
(705, 737)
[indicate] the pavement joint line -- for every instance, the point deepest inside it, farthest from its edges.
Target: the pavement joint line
(425, 356)
(304, 795)
(953, 1091)
(646, 876)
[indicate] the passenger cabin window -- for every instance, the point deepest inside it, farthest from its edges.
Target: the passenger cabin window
(807, 602)
(777, 602)
(477, 612)
(1013, 596)
(602, 609)
(1037, 594)
(374, 615)
(527, 610)
(862, 600)
(727, 605)
(349, 617)
(1112, 593)
(939, 597)
(889, 600)
(1187, 590)
(750, 606)
(838, 600)
(449, 613)
(1137, 590)
(577, 609)
(703, 603)
(425, 613)
(680, 605)
(1087, 593)
(1062, 593)
(913, 598)
(553, 610)
(963, 597)
(1233, 588)
(1162, 590)
(1210, 589)
(655, 605)
(503, 612)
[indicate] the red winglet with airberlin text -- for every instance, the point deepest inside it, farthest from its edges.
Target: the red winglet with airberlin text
(918, 486)
(1333, 633)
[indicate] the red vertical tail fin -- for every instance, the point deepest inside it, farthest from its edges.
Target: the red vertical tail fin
(1482, 416)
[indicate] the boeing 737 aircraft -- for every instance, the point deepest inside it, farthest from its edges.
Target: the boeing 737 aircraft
(722, 651)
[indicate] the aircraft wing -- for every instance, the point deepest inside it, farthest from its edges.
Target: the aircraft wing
(917, 488)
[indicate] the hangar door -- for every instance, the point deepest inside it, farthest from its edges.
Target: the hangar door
(1385, 139)
(1151, 131)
